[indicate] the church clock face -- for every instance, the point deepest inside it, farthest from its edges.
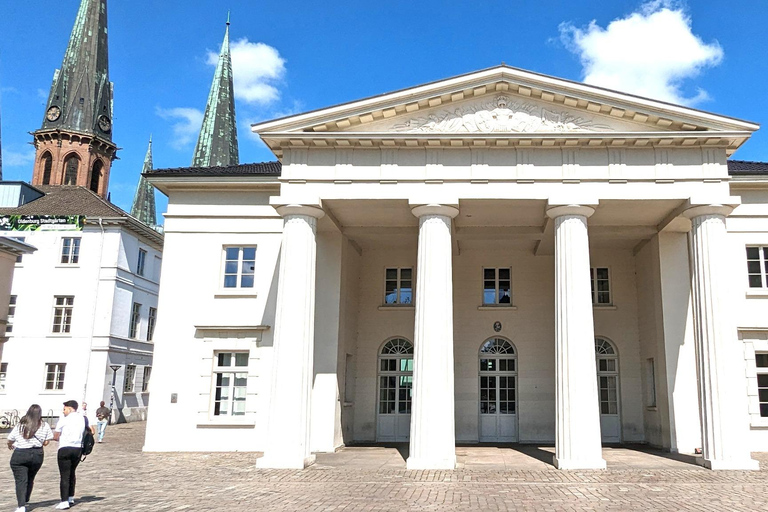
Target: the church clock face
(53, 113)
(105, 124)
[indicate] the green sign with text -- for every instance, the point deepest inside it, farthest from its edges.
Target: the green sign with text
(42, 222)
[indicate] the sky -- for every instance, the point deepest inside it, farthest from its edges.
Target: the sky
(291, 57)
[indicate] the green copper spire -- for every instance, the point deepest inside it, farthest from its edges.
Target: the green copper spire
(217, 143)
(143, 207)
(81, 94)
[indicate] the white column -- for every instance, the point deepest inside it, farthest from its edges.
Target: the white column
(288, 437)
(433, 437)
(577, 415)
(722, 390)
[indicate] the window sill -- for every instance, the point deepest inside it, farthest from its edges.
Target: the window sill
(57, 335)
(761, 424)
(227, 424)
(68, 265)
(604, 307)
(757, 292)
(397, 307)
(236, 292)
(497, 307)
(49, 392)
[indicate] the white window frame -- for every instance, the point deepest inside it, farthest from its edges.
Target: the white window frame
(70, 251)
(134, 327)
(129, 382)
(58, 372)
(11, 314)
(761, 370)
(147, 373)
(399, 300)
(763, 261)
(593, 284)
(141, 262)
(238, 273)
(3, 376)
(232, 370)
(63, 309)
(151, 322)
(497, 287)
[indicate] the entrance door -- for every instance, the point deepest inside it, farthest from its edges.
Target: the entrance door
(395, 391)
(608, 390)
(498, 391)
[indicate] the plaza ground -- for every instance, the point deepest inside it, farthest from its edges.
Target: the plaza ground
(118, 476)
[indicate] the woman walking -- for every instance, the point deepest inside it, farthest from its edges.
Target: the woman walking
(27, 440)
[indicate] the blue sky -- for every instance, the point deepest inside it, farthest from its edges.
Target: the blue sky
(303, 55)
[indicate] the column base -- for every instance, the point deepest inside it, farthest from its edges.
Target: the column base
(424, 463)
(730, 464)
(578, 463)
(283, 462)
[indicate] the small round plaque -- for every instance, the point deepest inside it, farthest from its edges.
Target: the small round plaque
(497, 326)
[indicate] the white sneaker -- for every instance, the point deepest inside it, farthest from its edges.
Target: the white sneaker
(21, 509)
(71, 500)
(64, 505)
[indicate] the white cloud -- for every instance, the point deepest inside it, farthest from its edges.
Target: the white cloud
(186, 126)
(257, 70)
(650, 52)
(18, 158)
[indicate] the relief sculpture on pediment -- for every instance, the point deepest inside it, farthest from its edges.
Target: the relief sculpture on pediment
(500, 115)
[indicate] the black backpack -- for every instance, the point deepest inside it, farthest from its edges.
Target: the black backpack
(88, 441)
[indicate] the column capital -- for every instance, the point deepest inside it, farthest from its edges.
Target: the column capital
(420, 210)
(311, 208)
(554, 211)
(708, 209)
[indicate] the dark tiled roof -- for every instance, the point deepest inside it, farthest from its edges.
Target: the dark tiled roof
(744, 168)
(261, 169)
(66, 200)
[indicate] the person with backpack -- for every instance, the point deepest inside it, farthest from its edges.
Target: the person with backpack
(69, 432)
(27, 440)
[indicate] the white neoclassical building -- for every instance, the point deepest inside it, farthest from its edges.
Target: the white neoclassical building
(498, 257)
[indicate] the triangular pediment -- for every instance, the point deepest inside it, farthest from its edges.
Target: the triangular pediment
(498, 101)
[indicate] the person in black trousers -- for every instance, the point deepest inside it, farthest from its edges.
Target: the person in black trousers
(27, 440)
(69, 433)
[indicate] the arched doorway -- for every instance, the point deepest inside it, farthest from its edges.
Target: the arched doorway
(395, 391)
(607, 360)
(498, 391)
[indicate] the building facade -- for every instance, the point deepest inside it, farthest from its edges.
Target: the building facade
(497, 257)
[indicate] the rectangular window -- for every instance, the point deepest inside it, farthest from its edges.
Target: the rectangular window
(141, 262)
(497, 286)
(70, 251)
(398, 286)
(11, 314)
(757, 266)
(62, 313)
(20, 239)
(761, 362)
(54, 376)
(601, 288)
(239, 267)
(151, 323)
(145, 382)
(230, 374)
(3, 374)
(133, 331)
(650, 370)
(130, 377)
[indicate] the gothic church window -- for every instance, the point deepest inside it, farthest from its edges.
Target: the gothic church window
(96, 176)
(47, 161)
(71, 166)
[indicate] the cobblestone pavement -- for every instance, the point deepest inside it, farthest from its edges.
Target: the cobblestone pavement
(118, 476)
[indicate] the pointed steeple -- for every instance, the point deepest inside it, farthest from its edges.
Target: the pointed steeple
(81, 94)
(143, 207)
(217, 143)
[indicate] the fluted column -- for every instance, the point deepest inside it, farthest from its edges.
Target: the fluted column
(722, 395)
(288, 437)
(577, 415)
(433, 437)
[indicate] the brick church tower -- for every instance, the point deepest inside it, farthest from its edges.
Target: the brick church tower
(74, 145)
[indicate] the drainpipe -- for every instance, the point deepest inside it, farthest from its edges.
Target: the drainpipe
(95, 304)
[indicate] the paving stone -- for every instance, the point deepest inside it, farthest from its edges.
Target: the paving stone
(118, 477)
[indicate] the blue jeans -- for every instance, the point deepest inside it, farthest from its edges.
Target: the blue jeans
(101, 427)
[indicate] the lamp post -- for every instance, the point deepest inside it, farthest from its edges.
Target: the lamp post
(114, 367)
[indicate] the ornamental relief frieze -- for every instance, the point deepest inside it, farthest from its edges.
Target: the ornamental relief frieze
(502, 114)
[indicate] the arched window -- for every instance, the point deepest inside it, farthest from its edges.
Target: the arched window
(395, 390)
(71, 167)
(498, 391)
(607, 360)
(47, 164)
(96, 176)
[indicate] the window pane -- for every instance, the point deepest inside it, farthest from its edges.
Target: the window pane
(602, 273)
(764, 410)
(755, 281)
(233, 253)
(762, 380)
(241, 359)
(503, 273)
(230, 267)
(249, 253)
(248, 267)
(246, 282)
(489, 296)
(225, 359)
(230, 281)
(763, 394)
(406, 273)
(406, 295)
(761, 360)
(753, 253)
(392, 273)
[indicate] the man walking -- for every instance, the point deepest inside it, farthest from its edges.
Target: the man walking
(102, 420)
(69, 434)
